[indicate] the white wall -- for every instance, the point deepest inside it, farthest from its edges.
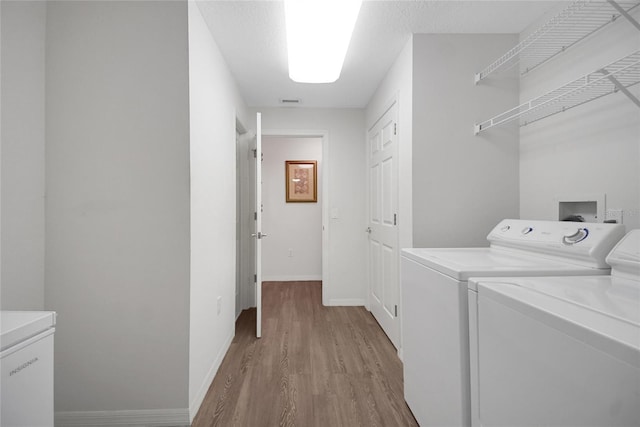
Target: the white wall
(214, 104)
(344, 282)
(293, 248)
(117, 222)
(593, 149)
(463, 185)
(23, 147)
(398, 85)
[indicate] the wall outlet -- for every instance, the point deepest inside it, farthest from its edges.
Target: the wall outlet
(613, 214)
(219, 305)
(290, 253)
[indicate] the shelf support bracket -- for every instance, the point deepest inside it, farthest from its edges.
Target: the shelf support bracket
(621, 88)
(624, 13)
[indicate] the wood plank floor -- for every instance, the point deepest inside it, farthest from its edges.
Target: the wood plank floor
(313, 366)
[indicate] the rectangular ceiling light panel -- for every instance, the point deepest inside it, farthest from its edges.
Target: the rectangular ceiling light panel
(318, 35)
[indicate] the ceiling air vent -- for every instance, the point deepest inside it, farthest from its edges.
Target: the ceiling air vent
(291, 101)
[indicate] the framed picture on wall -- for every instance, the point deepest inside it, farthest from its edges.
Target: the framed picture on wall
(301, 181)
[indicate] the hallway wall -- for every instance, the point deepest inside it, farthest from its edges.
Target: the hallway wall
(23, 151)
(117, 222)
(214, 104)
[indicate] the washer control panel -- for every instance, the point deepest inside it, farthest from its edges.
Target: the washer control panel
(588, 242)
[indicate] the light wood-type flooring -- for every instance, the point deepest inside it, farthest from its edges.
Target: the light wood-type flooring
(313, 366)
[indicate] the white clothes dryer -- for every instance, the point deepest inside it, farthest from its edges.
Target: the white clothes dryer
(435, 324)
(558, 351)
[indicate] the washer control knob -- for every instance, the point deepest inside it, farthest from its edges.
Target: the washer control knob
(527, 230)
(576, 237)
(505, 228)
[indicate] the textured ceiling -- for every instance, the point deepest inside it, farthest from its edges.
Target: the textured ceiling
(251, 36)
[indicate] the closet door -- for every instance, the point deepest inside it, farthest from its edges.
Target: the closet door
(383, 224)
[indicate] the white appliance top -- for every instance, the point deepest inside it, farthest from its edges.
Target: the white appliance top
(17, 326)
(463, 263)
(602, 311)
(528, 248)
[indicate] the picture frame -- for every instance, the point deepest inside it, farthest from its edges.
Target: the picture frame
(301, 181)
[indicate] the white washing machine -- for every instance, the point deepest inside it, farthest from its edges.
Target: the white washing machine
(435, 324)
(558, 351)
(26, 362)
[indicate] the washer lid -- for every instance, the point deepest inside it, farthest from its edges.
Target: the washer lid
(17, 326)
(602, 311)
(463, 263)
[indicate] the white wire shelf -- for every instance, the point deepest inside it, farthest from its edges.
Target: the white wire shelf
(615, 77)
(577, 21)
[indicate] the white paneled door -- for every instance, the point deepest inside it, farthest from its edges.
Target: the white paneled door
(383, 224)
(258, 235)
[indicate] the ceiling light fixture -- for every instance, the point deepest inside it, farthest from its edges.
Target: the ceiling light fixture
(318, 35)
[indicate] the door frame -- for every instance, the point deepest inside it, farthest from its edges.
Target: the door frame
(324, 137)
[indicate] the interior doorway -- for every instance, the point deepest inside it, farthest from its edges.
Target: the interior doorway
(245, 216)
(293, 249)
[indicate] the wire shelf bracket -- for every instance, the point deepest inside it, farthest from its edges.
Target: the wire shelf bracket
(624, 13)
(579, 20)
(618, 76)
(621, 87)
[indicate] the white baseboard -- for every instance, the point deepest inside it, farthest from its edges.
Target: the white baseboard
(346, 302)
(291, 278)
(134, 418)
(194, 405)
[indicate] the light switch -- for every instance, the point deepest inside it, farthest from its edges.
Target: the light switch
(335, 213)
